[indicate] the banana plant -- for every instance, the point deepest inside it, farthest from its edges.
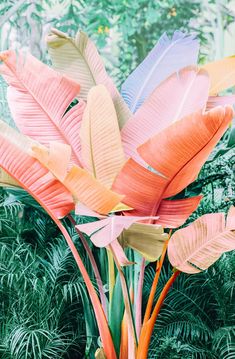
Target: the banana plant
(119, 158)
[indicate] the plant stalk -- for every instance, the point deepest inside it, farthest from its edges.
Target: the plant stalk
(128, 310)
(104, 331)
(93, 263)
(148, 327)
(111, 274)
(138, 313)
(155, 283)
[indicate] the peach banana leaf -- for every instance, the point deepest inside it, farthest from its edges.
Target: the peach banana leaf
(82, 185)
(38, 98)
(79, 59)
(194, 248)
(221, 73)
(167, 56)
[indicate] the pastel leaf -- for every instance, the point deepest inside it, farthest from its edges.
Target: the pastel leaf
(214, 101)
(56, 159)
(107, 230)
(196, 247)
(222, 74)
(142, 188)
(230, 222)
(179, 95)
(173, 213)
(89, 191)
(147, 239)
(16, 160)
(102, 152)
(38, 98)
(168, 56)
(179, 152)
(79, 59)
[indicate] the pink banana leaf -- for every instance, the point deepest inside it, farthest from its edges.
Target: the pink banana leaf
(179, 95)
(104, 233)
(196, 247)
(38, 98)
(214, 101)
(177, 154)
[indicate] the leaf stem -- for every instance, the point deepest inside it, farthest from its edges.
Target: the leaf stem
(148, 327)
(93, 263)
(104, 331)
(138, 313)
(155, 283)
(111, 274)
(128, 307)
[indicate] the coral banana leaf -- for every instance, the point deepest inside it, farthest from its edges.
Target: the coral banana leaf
(179, 95)
(102, 152)
(38, 98)
(83, 186)
(173, 213)
(222, 74)
(177, 153)
(196, 247)
(79, 59)
(16, 160)
(168, 56)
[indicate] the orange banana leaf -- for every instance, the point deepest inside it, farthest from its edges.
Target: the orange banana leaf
(82, 185)
(102, 152)
(196, 247)
(79, 59)
(179, 152)
(141, 187)
(176, 154)
(174, 213)
(221, 73)
(184, 92)
(86, 189)
(38, 98)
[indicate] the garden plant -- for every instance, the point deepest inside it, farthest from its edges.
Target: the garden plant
(116, 168)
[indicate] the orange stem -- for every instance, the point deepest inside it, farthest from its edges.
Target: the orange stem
(104, 331)
(148, 327)
(155, 283)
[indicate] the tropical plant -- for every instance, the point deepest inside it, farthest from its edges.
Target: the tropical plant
(120, 159)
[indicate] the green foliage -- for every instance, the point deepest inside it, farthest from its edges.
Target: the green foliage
(197, 319)
(41, 312)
